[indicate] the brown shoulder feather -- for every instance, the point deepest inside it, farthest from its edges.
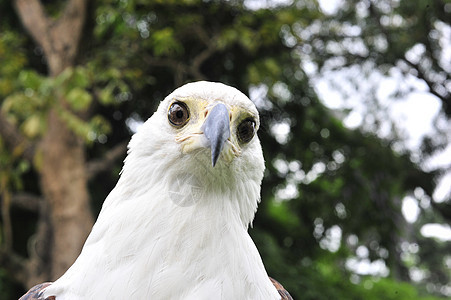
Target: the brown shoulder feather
(35, 293)
(282, 291)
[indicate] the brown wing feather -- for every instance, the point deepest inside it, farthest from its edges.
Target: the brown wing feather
(36, 292)
(282, 291)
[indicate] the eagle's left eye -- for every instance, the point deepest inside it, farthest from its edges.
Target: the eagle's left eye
(178, 114)
(246, 130)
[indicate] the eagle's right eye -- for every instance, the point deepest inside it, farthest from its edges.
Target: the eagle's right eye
(178, 114)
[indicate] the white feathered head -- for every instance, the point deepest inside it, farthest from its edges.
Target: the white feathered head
(199, 144)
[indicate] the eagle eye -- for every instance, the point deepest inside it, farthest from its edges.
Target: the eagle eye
(178, 114)
(246, 130)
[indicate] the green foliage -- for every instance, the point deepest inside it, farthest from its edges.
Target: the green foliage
(8, 288)
(79, 99)
(38, 94)
(264, 71)
(389, 289)
(12, 59)
(164, 42)
(11, 168)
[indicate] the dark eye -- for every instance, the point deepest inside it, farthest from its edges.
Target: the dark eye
(246, 130)
(178, 114)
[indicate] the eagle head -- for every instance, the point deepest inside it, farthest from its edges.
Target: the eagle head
(201, 142)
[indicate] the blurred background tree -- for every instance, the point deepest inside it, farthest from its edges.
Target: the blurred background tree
(78, 77)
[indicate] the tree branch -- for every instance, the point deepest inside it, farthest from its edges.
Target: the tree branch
(200, 59)
(6, 219)
(179, 68)
(33, 270)
(68, 30)
(192, 69)
(15, 264)
(14, 140)
(96, 166)
(27, 201)
(162, 62)
(211, 47)
(59, 38)
(39, 250)
(445, 100)
(35, 20)
(202, 34)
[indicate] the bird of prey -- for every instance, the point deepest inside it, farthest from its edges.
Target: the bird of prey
(175, 226)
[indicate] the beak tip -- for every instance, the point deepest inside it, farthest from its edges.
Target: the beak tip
(214, 158)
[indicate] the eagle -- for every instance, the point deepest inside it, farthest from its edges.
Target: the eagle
(176, 224)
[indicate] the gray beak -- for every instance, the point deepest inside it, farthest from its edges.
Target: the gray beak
(216, 129)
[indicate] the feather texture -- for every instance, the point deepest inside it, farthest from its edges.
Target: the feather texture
(174, 227)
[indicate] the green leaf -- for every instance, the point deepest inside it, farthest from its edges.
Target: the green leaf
(80, 78)
(30, 79)
(77, 125)
(32, 126)
(164, 42)
(106, 95)
(100, 125)
(63, 77)
(79, 99)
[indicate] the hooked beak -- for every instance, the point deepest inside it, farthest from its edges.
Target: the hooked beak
(216, 129)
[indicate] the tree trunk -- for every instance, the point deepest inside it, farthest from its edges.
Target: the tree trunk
(64, 184)
(62, 163)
